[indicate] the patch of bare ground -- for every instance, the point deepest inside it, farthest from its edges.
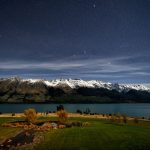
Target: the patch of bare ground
(26, 140)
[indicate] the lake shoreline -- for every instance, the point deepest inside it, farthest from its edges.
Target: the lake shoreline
(70, 115)
(129, 109)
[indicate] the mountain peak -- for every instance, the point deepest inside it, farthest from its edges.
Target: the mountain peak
(76, 83)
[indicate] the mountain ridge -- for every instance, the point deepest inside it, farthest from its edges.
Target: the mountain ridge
(75, 83)
(70, 90)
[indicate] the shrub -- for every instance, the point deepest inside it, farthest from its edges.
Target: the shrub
(68, 124)
(7, 125)
(107, 115)
(136, 120)
(118, 117)
(13, 114)
(91, 113)
(77, 124)
(60, 107)
(86, 124)
(62, 115)
(79, 111)
(30, 115)
(124, 118)
(113, 118)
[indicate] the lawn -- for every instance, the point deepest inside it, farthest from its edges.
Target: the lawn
(7, 132)
(101, 135)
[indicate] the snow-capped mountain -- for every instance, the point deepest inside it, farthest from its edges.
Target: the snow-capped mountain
(70, 90)
(76, 83)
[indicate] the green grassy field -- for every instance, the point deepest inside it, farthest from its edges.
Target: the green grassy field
(100, 135)
(7, 132)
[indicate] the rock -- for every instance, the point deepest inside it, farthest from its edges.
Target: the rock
(46, 126)
(54, 125)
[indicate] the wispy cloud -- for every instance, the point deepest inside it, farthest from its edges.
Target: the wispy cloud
(38, 65)
(107, 68)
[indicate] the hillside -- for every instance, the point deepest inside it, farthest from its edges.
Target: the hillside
(70, 91)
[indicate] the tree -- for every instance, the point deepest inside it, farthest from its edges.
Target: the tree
(30, 115)
(60, 107)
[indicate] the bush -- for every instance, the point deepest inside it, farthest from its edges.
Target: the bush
(30, 115)
(136, 120)
(62, 115)
(107, 115)
(124, 118)
(77, 124)
(79, 111)
(118, 117)
(86, 124)
(7, 125)
(68, 124)
(13, 114)
(113, 118)
(60, 107)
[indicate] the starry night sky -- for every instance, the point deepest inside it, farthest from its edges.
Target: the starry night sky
(105, 40)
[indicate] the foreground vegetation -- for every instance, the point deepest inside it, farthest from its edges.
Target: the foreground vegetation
(8, 132)
(101, 134)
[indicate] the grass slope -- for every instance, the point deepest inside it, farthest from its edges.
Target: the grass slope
(101, 135)
(7, 132)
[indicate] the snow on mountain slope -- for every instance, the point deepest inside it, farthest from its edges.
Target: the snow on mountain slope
(75, 83)
(134, 87)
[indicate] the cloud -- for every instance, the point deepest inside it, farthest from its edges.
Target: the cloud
(38, 65)
(80, 67)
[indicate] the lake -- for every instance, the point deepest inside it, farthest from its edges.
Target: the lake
(140, 110)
